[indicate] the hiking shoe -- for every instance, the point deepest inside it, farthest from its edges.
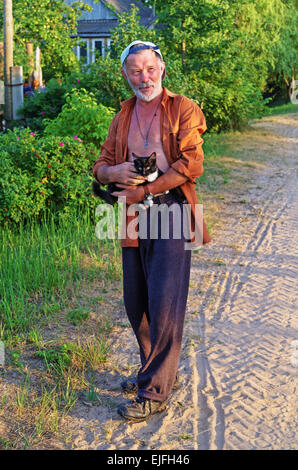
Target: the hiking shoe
(139, 409)
(131, 385)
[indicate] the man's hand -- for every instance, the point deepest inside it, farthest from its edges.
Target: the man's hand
(126, 173)
(132, 193)
(123, 173)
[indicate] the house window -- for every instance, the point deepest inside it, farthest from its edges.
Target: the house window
(97, 49)
(82, 52)
(108, 46)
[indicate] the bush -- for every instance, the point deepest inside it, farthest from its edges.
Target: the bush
(104, 80)
(46, 103)
(42, 174)
(81, 115)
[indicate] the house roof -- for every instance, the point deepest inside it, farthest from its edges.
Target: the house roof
(96, 27)
(103, 27)
(124, 6)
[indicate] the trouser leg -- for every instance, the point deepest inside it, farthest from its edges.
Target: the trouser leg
(156, 281)
(136, 298)
(167, 283)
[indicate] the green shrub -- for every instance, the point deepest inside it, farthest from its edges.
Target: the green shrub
(46, 103)
(81, 116)
(42, 173)
(103, 78)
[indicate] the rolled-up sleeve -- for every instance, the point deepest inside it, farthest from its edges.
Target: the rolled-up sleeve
(192, 125)
(107, 150)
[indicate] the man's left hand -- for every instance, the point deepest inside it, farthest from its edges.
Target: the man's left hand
(132, 193)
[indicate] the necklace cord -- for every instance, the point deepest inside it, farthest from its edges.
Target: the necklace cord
(154, 114)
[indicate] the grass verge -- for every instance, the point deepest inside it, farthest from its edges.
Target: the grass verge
(282, 109)
(54, 329)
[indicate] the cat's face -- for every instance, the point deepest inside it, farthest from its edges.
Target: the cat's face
(145, 165)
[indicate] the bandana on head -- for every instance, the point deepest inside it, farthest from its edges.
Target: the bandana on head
(143, 45)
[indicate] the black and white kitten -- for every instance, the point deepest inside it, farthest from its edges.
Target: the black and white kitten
(145, 166)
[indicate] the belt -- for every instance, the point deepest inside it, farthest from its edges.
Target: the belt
(175, 193)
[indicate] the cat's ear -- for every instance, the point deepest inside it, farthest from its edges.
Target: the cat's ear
(152, 156)
(134, 155)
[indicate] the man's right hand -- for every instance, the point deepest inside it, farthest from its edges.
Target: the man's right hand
(124, 173)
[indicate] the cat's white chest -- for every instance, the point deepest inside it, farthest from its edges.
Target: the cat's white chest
(152, 177)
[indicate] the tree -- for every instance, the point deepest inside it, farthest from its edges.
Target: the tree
(228, 49)
(48, 24)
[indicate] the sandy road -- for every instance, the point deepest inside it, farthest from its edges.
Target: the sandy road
(238, 367)
(245, 392)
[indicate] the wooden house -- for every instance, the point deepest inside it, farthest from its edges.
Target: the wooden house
(95, 28)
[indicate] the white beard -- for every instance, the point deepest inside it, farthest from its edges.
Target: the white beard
(138, 91)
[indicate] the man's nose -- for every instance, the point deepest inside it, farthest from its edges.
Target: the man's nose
(144, 76)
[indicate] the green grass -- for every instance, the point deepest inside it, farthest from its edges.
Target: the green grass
(215, 171)
(41, 263)
(282, 109)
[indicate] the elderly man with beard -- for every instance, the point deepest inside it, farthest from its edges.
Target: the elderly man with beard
(155, 270)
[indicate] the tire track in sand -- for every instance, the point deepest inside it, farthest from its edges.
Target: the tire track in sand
(254, 324)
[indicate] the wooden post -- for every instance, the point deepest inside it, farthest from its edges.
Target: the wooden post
(30, 54)
(293, 88)
(1, 61)
(16, 80)
(38, 65)
(8, 55)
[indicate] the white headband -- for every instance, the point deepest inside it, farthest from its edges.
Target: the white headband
(143, 45)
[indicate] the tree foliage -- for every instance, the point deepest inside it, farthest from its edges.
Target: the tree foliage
(229, 49)
(224, 54)
(48, 24)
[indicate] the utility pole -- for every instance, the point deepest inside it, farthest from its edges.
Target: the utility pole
(8, 56)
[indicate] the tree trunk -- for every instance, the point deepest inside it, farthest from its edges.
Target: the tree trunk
(8, 55)
(293, 88)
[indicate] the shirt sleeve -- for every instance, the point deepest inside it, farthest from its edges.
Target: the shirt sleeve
(107, 150)
(192, 125)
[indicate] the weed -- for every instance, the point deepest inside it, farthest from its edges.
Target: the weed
(95, 352)
(22, 395)
(185, 437)
(77, 316)
(57, 356)
(3, 401)
(15, 359)
(35, 337)
(91, 396)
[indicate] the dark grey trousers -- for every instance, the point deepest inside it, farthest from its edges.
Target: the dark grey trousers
(155, 284)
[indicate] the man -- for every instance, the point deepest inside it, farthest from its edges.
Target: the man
(155, 271)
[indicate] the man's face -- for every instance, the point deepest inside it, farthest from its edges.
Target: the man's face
(144, 74)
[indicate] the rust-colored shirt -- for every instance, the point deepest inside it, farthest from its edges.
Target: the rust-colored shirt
(181, 124)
